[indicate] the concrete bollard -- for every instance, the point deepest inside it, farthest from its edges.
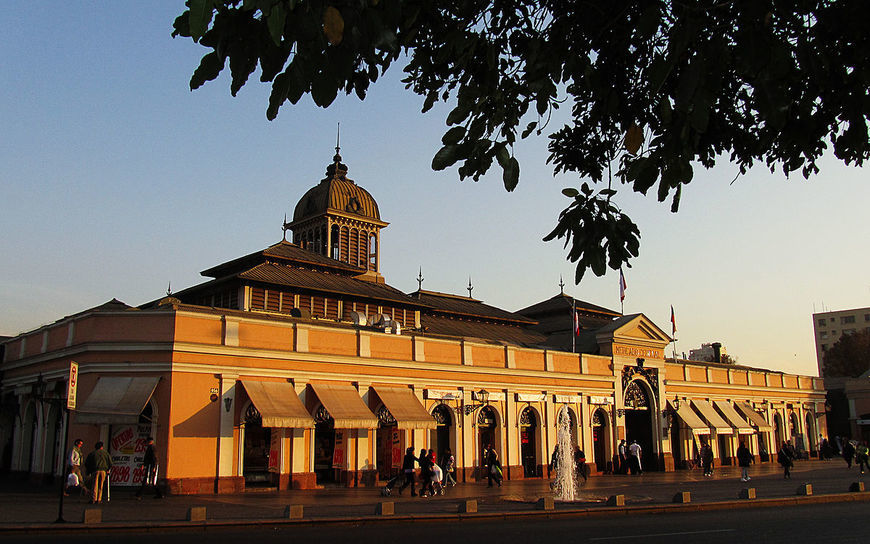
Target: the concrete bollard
(294, 511)
(386, 508)
(805, 490)
(92, 515)
(616, 500)
(546, 503)
(746, 493)
(468, 507)
(196, 513)
(857, 487)
(683, 497)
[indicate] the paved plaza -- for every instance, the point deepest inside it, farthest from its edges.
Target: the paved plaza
(35, 507)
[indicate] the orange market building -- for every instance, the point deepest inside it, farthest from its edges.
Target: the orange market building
(298, 366)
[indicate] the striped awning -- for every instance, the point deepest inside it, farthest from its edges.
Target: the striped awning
(754, 417)
(691, 419)
(736, 421)
(117, 400)
(405, 407)
(715, 420)
(344, 404)
(278, 404)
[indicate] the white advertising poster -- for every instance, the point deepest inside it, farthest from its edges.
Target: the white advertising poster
(127, 448)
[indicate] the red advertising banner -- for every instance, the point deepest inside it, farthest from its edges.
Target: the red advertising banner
(127, 447)
(338, 454)
(275, 451)
(396, 450)
(72, 385)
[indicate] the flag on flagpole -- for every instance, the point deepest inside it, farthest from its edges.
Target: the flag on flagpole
(673, 321)
(622, 286)
(576, 324)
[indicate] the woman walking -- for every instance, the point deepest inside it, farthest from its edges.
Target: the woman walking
(744, 459)
(449, 468)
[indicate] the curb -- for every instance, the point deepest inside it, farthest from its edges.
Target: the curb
(601, 511)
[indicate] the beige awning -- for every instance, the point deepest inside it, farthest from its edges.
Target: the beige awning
(691, 419)
(754, 417)
(117, 400)
(405, 407)
(736, 421)
(715, 420)
(278, 404)
(344, 404)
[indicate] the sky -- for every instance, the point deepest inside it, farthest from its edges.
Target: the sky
(119, 182)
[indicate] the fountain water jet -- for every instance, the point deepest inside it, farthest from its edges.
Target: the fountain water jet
(565, 482)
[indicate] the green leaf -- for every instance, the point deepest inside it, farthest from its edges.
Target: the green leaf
(502, 155)
(209, 68)
(323, 89)
(275, 20)
(570, 192)
(453, 136)
(200, 17)
(445, 157)
(511, 175)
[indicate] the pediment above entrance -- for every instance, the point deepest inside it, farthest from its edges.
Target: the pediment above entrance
(633, 336)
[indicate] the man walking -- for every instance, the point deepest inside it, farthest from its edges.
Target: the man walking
(635, 451)
(744, 459)
(149, 474)
(623, 457)
(98, 463)
(74, 460)
(408, 471)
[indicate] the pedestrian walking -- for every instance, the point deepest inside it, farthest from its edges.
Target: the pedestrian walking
(744, 459)
(408, 471)
(494, 474)
(449, 468)
(785, 458)
(580, 464)
(149, 471)
(862, 453)
(75, 477)
(707, 459)
(425, 473)
(634, 454)
(848, 453)
(98, 463)
(623, 457)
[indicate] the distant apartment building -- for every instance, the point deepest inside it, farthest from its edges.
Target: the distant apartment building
(711, 351)
(828, 327)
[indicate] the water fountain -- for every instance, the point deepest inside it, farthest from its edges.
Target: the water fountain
(565, 482)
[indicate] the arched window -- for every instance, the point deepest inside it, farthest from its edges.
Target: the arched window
(334, 242)
(373, 253)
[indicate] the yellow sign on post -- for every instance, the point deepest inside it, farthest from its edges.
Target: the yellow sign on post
(72, 385)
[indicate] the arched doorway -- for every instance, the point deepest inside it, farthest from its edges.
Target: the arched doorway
(529, 442)
(258, 439)
(794, 427)
(443, 429)
(812, 435)
(639, 413)
(600, 439)
(324, 446)
(53, 428)
(28, 438)
(384, 438)
(777, 432)
(487, 433)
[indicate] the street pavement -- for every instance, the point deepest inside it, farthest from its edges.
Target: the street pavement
(26, 507)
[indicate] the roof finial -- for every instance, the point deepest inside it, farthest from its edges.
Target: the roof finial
(420, 280)
(561, 285)
(470, 287)
(285, 227)
(169, 289)
(337, 157)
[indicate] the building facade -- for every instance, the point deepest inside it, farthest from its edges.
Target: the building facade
(298, 366)
(828, 327)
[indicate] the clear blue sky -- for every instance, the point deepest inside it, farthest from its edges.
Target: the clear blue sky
(117, 180)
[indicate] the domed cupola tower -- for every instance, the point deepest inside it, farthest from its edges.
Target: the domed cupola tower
(340, 219)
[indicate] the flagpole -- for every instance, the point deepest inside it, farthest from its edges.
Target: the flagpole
(573, 325)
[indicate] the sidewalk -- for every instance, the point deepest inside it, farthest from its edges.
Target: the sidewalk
(24, 507)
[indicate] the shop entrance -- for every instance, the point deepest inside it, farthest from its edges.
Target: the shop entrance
(384, 438)
(258, 439)
(441, 438)
(639, 423)
(486, 434)
(528, 443)
(324, 447)
(600, 436)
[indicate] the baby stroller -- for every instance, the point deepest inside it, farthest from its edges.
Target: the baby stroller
(387, 490)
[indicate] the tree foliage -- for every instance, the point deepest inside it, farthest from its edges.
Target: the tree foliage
(656, 88)
(849, 356)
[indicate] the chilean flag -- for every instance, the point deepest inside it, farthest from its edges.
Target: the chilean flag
(673, 321)
(622, 286)
(576, 324)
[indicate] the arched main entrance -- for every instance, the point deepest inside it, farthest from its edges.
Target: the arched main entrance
(258, 439)
(600, 439)
(639, 413)
(324, 446)
(529, 442)
(385, 435)
(441, 435)
(487, 433)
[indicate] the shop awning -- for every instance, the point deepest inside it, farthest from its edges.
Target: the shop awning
(344, 404)
(736, 421)
(691, 419)
(715, 420)
(278, 404)
(754, 417)
(117, 400)
(405, 407)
